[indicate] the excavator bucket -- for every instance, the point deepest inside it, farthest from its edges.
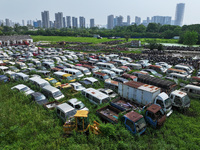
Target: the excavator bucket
(95, 128)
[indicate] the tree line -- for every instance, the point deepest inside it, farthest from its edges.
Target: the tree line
(153, 30)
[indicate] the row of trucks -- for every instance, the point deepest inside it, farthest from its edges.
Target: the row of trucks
(139, 98)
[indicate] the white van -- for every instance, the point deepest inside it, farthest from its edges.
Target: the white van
(134, 66)
(102, 65)
(172, 70)
(39, 82)
(48, 65)
(113, 56)
(83, 70)
(36, 62)
(185, 68)
(95, 96)
(21, 76)
(74, 72)
(65, 111)
(50, 91)
(127, 59)
(178, 76)
(4, 69)
(192, 90)
(121, 62)
(118, 72)
(111, 74)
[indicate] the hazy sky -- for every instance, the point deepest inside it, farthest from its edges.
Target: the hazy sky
(16, 10)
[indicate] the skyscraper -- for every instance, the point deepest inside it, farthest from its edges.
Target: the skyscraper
(128, 20)
(74, 22)
(110, 21)
(119, 21)
(23, 23)
(7, 22)
(64, 22)
(180, 8)
(59, 20)
(45, 19)
(91, 23)
(82, 22)
(68, 18)
(137, 20)
(162, 20)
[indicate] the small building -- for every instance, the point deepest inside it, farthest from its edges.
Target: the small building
(15, 40)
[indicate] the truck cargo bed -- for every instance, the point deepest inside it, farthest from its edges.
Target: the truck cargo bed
(51, 105)
(109, 114)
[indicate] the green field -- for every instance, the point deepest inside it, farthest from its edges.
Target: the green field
(26, 125)
(93, 40)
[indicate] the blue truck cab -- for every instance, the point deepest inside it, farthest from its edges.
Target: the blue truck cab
(134, 122)
(155, 115)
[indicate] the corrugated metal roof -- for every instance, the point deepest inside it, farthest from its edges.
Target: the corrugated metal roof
(153, 108)
(134, 84)
(133, 116)
(149, 88)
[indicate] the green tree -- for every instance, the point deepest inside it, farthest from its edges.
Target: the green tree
(190, 38)
(153, 27)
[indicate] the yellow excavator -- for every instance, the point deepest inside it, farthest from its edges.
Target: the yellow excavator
(80, 123)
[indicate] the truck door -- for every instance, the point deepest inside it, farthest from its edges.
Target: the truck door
(130, 126)
(160, 103)
(151, 119)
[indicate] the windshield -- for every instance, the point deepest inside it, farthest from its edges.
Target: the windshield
(140, 124)
(25, 89)
(52, 65)
(40, 97)
(112, 74)
(71, 113)
(106, 77)
(70, 78)
(112, 66)
(78, 73)
(57, 94)
(80, 106)
(79, 87)
(168, 102)
(86, 71)
(54, 81)
(186, 100)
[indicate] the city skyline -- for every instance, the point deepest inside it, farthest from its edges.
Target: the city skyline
(90, 10)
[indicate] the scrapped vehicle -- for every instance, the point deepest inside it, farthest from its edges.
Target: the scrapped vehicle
(96, 97)
(134, 66)
(84, 70)
(92, 68)
(43, 72)
(77, 86)
(155, 115)
(53, 81)
(157, 68)
(172, 70)
(120, 79)
(109, 114)
(21, 65)
(193, 91)
(178, 76)
(3, 69)
(89, 81)
(108, 92)
(13, 68)
(51, 105)
(139, 73)
(50, 91)
(23, 88)
(153, 72)
(111, 74)
(164, 65)
(117, 71)
(78, 105)
(129, 77)
(127, 59)
(111, 84)
(64, 76)
(144, 63)
(145, 94)
(4, 78)
(74, 72)
(80, 123)
(39, 98)
(48, 65)
(100, 76)
(134, 122)
(39, 82)
(102, 65)
(21, 76)
(165, 85)
(125, 68)
(185, 68)
(180, 99)
(64, 111)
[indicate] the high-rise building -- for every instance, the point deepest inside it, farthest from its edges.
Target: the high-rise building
(120, 21)
(51, 23)
(91, 23)
(39, 22)
(23, 23)
(137, 20)
(7, 22)
(180, 8)
(110, 22)
(45, 19)
(148, 20)
(115, 21)
(161, 20)
(64, 22)
(74, 22)
(82, 22)
(59, 20)
(68, 18)
(128, 20)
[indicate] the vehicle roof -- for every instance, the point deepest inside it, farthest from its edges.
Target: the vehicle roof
(107, 71)
(154, 108)
(134, 84)
(155, 66)
(59, 73)
(91, 79)
(178, 70)
(3, 67)
(182, 66)
(149, 88)
(20, 86)
(74, 101)
(116, 69)
(192, 87)
(99, 73)
(81, 113)
(179, 93)
(133, 116)
(65, 107)
(178, 74)
(126, 75)
(22, 74)
(70, 69)
(50, 88)
(35, 94)
(111, 82)
(96, 93)
(75, 83)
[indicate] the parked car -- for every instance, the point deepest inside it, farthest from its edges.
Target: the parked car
(77, 86)
(152, 72)
(39, 98)
(89, 81)
(23, 88)
(78, 105)
(108, 92)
